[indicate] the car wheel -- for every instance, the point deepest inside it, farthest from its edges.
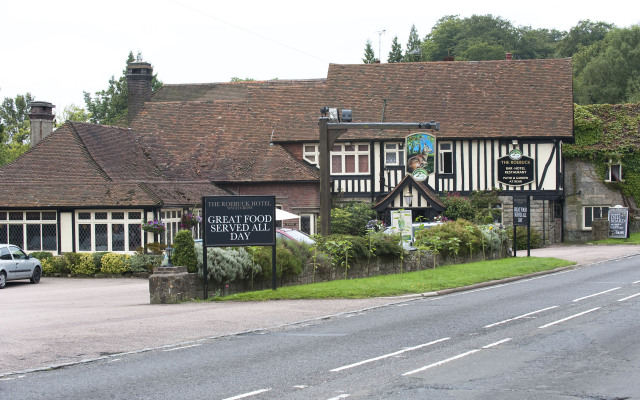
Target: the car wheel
(35, 277)
(3, 280)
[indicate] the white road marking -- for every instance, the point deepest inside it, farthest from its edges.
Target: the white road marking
(630, 297)
(596, 294)
(568, 318)
(426, 367)
(182, 347)
(242, 396)
(342, 396)
(636, 282)
(388, 355)
(519, 317)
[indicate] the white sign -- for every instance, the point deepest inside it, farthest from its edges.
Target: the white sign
(401, 221)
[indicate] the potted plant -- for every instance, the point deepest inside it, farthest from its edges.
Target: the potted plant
(154, 226)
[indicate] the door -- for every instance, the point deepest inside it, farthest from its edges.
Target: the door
(23, 265)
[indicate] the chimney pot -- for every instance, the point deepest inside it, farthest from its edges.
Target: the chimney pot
(509, 56)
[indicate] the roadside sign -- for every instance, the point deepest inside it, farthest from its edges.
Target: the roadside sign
(232, 221)
(618, 222)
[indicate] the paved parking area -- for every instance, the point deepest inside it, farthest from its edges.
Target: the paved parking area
(63, 320)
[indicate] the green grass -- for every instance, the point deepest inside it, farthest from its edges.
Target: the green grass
(634, 238)
(445, 277)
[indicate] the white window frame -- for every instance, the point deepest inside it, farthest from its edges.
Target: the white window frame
(441, 157)
(590, 209)
(340, 151)
(6, 222)
(311, 154)
(109, 221)
(171, 217)
(394, 148)
(611, 166)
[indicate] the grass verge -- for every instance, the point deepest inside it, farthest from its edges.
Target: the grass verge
(445, 277)
(633, 238)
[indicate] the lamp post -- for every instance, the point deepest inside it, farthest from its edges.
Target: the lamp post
(168, 251)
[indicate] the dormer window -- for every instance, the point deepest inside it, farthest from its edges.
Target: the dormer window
(614, 172)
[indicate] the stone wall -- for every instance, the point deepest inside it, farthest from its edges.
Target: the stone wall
(542, 219)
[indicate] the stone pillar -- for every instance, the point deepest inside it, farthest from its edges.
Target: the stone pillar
(600, 229)
(171, 285)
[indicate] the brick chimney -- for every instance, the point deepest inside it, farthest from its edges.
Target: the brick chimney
(509, 56)
(139, 75)
(41, 117)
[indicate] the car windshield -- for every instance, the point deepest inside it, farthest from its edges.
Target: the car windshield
(300, 236)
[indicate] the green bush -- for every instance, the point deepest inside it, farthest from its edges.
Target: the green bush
(470, 237)
(97, 259)
(41, 255)
(458, 207)
(56, 265)
(351, 218)
(184, 252)
(143, 262)
(521, 238)
(83, 263)
(113, 263)
(227, 264)
(287, 264)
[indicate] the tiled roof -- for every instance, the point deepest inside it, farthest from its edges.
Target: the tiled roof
(182, 193)
(523, 98)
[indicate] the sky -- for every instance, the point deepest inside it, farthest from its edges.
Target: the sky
(56, 50)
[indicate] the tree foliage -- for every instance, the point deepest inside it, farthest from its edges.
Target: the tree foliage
(413, 51)
(15, 132)
(369, 55)
(608, 71)
(580, 36)
(109, 106)
(395, 55)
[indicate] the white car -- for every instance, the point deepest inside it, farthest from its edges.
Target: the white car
(16, 264)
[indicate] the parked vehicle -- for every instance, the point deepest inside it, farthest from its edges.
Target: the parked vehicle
(16, 264)
(294, 234)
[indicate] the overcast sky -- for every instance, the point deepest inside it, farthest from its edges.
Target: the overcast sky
(57, 49)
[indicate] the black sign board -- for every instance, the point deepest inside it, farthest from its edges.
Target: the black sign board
(521, 211)
(232, 221)
(515, 171)
(618, 222)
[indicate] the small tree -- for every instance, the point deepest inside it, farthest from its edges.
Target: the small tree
(395, 55)
(369, 55)
(184, 251)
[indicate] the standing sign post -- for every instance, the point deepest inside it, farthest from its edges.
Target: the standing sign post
(521, 206)
(236, 221)
(618, 222)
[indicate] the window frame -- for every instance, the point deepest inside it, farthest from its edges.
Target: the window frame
(610, 167)
(398, 150)
(106, 217)
(356, 153)
(441, 158)
(603, 211)
(27, 225)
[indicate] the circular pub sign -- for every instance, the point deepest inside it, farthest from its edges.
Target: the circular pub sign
(515, 169)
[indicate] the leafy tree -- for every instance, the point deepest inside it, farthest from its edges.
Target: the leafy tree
(109, 107)
(413, 46)
(369, 55)
(395, 55)
(73, 113)
(608, 71)
(15, 131)
(443, 39)
(536, 43)
(236, 79)
(582, 35)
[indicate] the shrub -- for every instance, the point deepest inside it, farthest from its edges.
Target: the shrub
(287, 264)
(97, 259)
(56, 265)
(143, 262)
(113, 263)
(155, 248)
(41, 255)
(226, 264)
(83, 263)
(470, 237)
(351, 218)
(184, 251)
(521, 238)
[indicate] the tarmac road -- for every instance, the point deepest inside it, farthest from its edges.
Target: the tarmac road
(62, 320)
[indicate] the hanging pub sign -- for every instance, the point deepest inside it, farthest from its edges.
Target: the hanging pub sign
(618, 222)
(515, 169)
(420, 155)
(232, 221)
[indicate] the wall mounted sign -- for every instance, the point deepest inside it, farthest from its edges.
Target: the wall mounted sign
(515, 169)
(420, 155)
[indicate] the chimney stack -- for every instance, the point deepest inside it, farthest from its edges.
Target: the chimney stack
(139, 75)
(41, 117)
(509, 56)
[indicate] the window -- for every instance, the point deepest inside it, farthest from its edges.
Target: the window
(310, 153)
(117, 231)
(591, 213)
(445, 156)
(350, 158)
(393, 154)
(307, 224)
(171, 219)
(614, 172)
(30, 230)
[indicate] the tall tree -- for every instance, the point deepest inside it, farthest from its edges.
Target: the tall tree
(369, 55)
(395, 55)
(413, 52)
(536, 43)
(608, 71)
(109, 107)
(443, 39)
(15, 132)
(582, 35)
